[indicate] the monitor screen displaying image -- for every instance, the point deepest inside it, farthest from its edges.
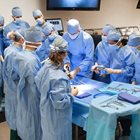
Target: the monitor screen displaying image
(73, 4)
(57, 22)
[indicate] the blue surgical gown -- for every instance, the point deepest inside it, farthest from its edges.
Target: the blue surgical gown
(122, 58)
(13, 27)
(43, 51)
(55, 103)
(80, 53)
(102, 58)
(10, 85)
(136, 77)
(28, 98)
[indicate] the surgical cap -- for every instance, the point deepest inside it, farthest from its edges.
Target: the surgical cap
(108, 28)
(73, 26)
(16, 12)
(1, 20)
(134, 40)
(59, 44)
(33, 34)
(113, 35)
(47, 30)
(37, 13)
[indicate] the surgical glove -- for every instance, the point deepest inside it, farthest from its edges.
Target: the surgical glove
(1, 58)
(94, 68)
(73, 73)
(67, 67)
(103, 75)
(74, 91)
(133, 83)
(113, 71)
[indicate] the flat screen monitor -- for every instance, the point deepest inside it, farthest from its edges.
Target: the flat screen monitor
(73, 4)
(138, 5)
(57, 22)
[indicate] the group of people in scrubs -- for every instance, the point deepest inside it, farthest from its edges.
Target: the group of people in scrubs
(38, 92)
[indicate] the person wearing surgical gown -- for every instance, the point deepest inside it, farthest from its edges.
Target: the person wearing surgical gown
(56, 99)
(28, 97)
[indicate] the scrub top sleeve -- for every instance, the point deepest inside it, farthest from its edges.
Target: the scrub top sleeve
(89, 55)
(60, 94)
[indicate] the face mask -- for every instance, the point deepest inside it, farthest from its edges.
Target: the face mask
(40, 21)
(74, 36)
(18, 20)
(113, 47)
(51, 37)
(104, 38)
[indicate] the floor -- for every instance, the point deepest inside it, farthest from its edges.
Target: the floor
(4, 131)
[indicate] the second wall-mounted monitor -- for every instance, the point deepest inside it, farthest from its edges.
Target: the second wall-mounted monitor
(73, 4)
(57, 22)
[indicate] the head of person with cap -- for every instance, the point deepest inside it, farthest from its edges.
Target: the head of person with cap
(49, 32)
(114, 38)
(1, 23)
(33, 38)
(106, 29)
(38, 16)
(73, 28)
(134, 41)
(17, 37)
(58, 51)
(17, 15)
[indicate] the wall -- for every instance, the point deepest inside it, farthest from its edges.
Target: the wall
(27, 7)
(116, 12)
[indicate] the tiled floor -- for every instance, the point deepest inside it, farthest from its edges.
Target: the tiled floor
(4, 131)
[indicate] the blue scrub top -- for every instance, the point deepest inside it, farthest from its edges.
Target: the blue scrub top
(13, 27)
(80, 53)
(122, 58)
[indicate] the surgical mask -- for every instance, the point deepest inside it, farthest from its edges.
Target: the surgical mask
(74, 36)
(18, 20)
(113, 47)
(40, 21)
(31, 46)
(104, 38)
(51, 37)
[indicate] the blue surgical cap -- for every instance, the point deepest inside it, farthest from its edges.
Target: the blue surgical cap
(33, 34)
(47, 29)
(108, 28)
(16, 12)
(113, 35)
(59, 44)
(1, 20)
(134, 40)
(73, 26)
(37, 13)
